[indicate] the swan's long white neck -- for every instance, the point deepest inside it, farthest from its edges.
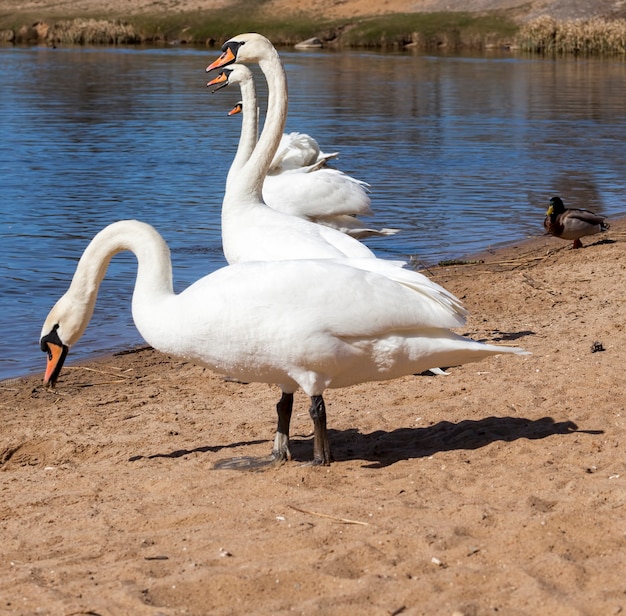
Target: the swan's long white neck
(154, 266)
(249, 125)
(249, 179)
(154, 273)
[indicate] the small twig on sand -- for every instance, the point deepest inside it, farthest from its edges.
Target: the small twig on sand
(330, 517)
(100, 383)
(117, 374)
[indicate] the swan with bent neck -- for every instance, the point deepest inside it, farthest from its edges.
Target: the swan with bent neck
(309, 324)
(298, 181)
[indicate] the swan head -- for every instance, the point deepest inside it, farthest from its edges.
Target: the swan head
(62, 328)
(249, 47)
(221, 81)
(235, 73)
(238, 108)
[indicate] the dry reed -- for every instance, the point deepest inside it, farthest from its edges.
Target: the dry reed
(79, 32)
(579, 36)
(92, 31)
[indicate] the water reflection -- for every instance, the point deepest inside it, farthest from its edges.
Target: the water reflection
(461, 153)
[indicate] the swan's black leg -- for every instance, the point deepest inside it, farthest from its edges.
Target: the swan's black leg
(321, 445)
(280, 451)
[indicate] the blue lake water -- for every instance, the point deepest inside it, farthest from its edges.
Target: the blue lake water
(462, 153)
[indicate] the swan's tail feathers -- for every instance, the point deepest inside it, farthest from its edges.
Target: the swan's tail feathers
(501, 348)
(361, 233)
(352, 226)
(455, 350)
(385, 231)
(324, 156)
(438, 372)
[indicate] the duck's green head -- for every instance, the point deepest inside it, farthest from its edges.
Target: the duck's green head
(556, 206)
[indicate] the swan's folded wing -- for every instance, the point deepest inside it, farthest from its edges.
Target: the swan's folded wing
(295, 150)
(324, 192)
(345, 298)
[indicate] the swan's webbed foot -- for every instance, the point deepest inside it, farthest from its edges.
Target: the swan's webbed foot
(315, 462)
(249, 463)
(280, 452)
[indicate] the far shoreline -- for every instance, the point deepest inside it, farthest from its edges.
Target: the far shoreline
(574, 32)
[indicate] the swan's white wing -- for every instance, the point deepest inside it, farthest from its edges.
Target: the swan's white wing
(346, 297)
(317, 323)
(319, 193)
(297, 150)
(342, 298)
(444, 308)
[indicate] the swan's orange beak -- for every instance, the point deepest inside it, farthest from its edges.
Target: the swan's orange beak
(56, 356)
(238, 108)
(228, 57)
(220, 81)
(221, 78)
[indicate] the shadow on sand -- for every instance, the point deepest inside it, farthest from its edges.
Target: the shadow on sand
(383, 448)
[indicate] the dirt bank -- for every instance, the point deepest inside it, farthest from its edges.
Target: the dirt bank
(561, 9)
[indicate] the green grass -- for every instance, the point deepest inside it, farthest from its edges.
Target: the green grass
(424, 29)
(430, 30)
(200, 28)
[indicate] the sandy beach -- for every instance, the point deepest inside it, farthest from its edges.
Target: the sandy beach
(498, 489)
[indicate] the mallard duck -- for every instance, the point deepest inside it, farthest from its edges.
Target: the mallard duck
(572, 223)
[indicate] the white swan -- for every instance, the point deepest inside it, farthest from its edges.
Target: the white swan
(311, 324)
(298, 182)
(251, 230)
